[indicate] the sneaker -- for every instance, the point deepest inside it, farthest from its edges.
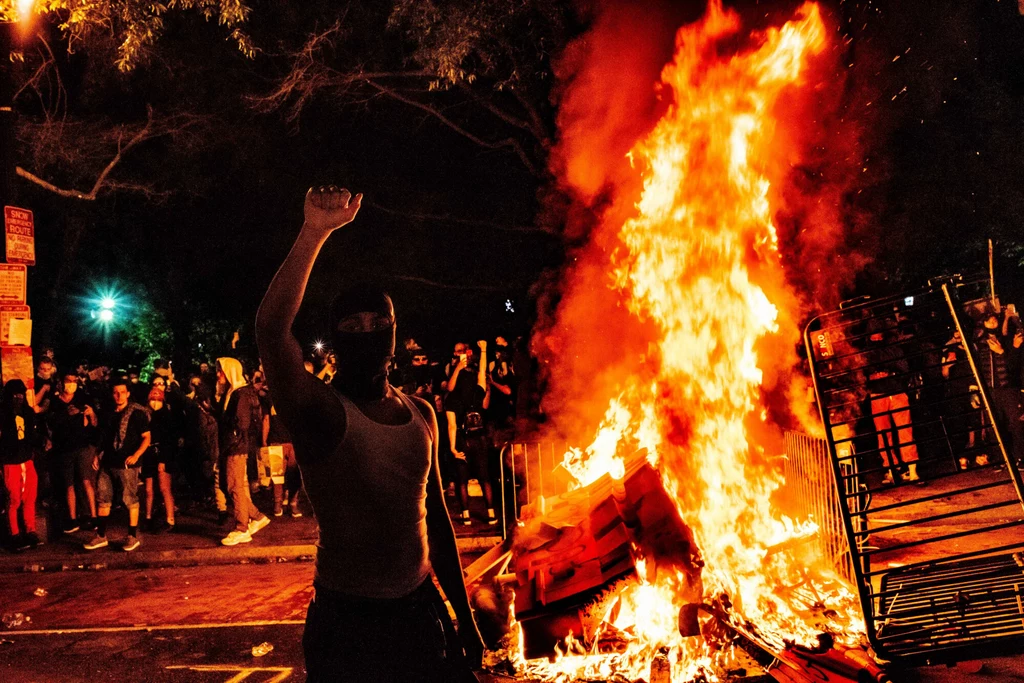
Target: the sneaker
(981, 460)
(20, 543)
(96, 543)
(887, 479)
(491, 519)
(278, 510)
(236, 537)
(71, 526)
(257, 524)
(296, 512)
(466, 520)
(131, 543)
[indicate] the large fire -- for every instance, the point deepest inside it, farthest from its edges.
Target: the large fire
(698, 261)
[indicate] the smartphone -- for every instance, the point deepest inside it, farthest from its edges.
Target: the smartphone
(463, 357)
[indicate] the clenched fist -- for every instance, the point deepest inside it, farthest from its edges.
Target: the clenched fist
(329, 207)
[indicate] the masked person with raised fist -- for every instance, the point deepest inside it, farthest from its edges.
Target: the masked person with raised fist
(368, 457)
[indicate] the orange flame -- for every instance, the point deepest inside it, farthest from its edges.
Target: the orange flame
(698, 260)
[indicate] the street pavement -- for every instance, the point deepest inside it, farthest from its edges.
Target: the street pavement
(180, 608)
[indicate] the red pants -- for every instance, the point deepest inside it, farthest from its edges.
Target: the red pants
(21, 483)
(899, 419)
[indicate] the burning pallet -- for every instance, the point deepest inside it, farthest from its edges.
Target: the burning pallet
(574, 546)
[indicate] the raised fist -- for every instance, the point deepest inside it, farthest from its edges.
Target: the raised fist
(482, 344)
(328, 208)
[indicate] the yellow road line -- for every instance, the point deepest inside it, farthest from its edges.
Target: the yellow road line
(156, 627)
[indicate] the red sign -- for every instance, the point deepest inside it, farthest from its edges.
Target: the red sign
(13, 282)
(8, 313)
(21, 235)
(823, 345)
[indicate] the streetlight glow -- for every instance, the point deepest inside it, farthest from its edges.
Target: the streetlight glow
(108, 303)
(25, 8)
(106, 315)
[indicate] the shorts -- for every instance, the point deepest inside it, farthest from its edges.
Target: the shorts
(477, 456)
(77, 462)
(129, 480)
(153, 458)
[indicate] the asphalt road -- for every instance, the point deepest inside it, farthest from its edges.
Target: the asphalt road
(174, 624)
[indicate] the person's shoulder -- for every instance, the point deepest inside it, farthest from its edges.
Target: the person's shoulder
(424, 406)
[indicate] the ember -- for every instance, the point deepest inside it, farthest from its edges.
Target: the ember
(697, 262)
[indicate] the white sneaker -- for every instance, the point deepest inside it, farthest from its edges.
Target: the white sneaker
(236, 537)
(257, 524)
(887, 479)
(96, 543)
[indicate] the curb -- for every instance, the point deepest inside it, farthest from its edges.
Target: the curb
(112, 558)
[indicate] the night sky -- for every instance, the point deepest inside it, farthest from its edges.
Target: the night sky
(933, 90)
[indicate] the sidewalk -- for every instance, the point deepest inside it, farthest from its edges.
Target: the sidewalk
(196, 542)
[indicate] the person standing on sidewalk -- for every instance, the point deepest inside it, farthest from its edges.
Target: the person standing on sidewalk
(241, 422)
(368, 456)
(72, 423)
(288, 483)
(125, 438)
(159, 463)
(17, 436)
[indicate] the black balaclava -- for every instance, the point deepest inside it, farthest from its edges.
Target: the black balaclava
(363, 357)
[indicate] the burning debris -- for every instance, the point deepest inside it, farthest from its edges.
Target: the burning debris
(608, 574)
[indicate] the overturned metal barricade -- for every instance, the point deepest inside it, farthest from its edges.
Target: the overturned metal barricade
(810, 485)
(933, 503)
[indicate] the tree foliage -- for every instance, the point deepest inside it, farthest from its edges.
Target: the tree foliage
(481, 70)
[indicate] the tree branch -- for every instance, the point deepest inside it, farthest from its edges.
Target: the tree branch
(102, 182)
(510, 143)
(442, 285)
(440, 218)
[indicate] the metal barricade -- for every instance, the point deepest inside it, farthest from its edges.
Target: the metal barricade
(530, 470)
(812, 495)
(930, 497)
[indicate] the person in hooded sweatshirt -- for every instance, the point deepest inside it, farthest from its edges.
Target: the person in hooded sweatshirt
(241, 424)
(368, 458)
(17, 437)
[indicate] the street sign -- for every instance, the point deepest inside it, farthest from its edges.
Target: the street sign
(13, 283)
(19, 226)
(16, 363)
(7, 314)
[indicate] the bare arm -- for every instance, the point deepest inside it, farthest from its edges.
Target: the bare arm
(444, 552)
(134, 458)
(326, 210)
(452, 433)
(266, 429)
(481, 374)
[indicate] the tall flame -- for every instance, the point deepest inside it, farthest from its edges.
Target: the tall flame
(698, 260)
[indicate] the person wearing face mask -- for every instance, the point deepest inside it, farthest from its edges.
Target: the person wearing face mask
(241, 424)
(998, 354)
(368, 457)
(159, 461)
(17, 435)
(72, 423)
(45, 384)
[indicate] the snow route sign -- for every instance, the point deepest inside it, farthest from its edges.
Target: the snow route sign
(19, 226)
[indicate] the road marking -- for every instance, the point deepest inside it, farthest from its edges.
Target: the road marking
(157, 627)
(241, 672)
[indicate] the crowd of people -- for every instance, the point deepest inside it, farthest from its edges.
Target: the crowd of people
(89, 441)
(918, 398)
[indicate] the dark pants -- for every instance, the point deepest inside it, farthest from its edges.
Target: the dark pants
(1006, 406)
(475, 465)
(349, 639)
